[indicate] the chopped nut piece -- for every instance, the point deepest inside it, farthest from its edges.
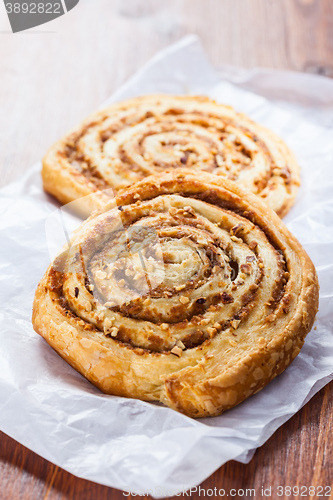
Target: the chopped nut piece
(226, 298)
(177, 351)
(138, 276)
(217, 325)
(101, 275)
(114, 332)
(234, 230)
(180, 344)
(234, 323)
(246, 268)
(286, 299)
(219, 160)
(211, 330)
(86, 342)
(179, 287)
(183, 299)
(164, 326)
(253, 245)
(109, 304)
(88, 306)
(270, 318)
(173, 211)
(107, 323)
(146, 302)
(188, 212)
(204, 321)
(289, 345)
(258, 373)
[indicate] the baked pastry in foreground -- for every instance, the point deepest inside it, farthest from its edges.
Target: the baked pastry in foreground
(130, 140)
(189, 292)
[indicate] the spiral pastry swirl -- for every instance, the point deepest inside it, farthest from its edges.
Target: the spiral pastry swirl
(133, 139)
(187, 291)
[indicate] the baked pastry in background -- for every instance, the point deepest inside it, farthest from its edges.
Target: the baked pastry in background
(188, 291)
(130, 140)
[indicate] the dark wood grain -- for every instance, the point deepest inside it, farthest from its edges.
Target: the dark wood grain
(73, 64)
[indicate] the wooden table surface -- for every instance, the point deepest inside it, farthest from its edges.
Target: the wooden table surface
(54, 75)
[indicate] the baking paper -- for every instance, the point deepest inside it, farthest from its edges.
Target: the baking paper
(129, 444)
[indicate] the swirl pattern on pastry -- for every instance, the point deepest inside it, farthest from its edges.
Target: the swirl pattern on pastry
(188, 291)
(128, 141)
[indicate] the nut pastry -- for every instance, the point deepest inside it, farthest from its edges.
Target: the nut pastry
(187, 291)
(130, 140)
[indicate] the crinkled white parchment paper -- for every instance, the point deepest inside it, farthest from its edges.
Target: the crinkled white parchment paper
(130, 444)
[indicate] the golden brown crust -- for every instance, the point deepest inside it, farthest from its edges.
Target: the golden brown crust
(191, 292)
(148, 135)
